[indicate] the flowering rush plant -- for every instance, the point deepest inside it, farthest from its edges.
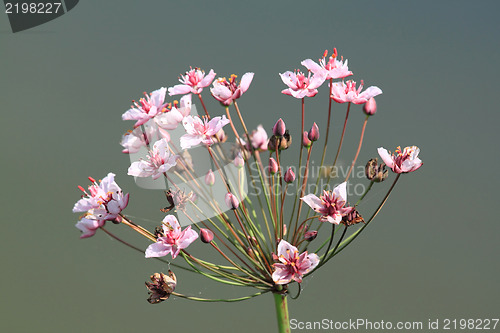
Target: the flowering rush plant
(272, 225)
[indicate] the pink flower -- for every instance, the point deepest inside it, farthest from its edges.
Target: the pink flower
(403, 162)
(226, 91)
(160, 160)
(331, 205)
(259, 139)
(133, 141)
(192, 82)
(173, 240)
(89, 224)
(201, 131)
(300, 86)
(147, 107)
(106, 198)
(347, 92)
(169, 119)
(292, 266)
(333, 69)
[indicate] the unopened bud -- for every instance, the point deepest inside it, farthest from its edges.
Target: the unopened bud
(210, 178)
(370, 107)
(313, 134)
(273, 166)
(289, 176)
(279, 128)
(206, 235)
(310, 235)
(376, 172)
(221, 135)
(231, 201)
(238, 161)
(305, 140)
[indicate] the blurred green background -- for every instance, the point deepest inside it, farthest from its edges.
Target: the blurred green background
(431, 253)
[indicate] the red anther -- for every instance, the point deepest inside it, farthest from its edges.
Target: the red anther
(92, 179)
(325, 53)
(81, 188)
(334, 55)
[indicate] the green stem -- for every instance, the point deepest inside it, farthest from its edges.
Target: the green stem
(281, 303)
(199, 299)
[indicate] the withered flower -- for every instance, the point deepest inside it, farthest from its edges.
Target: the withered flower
(353, 217)
(170, 200)
(376, 172)
(161, 287)
(280, 142)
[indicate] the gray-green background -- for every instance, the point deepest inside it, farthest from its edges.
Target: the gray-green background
(431, 253)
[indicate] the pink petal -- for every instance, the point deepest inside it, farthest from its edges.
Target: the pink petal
(207, 80)
(312, 201)
(246, 79)
(341, 191)
(179, 89)
(286, 249)
(386, 157)
(158, 249)
(312, 66)
(281, 275)
(289, 78)
(190, 140)
(187, 237)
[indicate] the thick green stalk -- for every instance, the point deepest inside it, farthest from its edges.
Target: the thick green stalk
(281, 303)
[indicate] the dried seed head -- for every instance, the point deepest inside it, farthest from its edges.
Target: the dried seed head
(376, 172)
(161, 287)
(353, 217)
(280, 142)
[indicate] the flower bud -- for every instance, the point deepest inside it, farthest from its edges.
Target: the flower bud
(305, 140)
(221, 135)
(279, 128)
(210, 178)
(289, 176)
(231, 201)
(310, 235)
(206, 235)
(273, 166)
(239, 161)
(370, 107)
(375, 172)
(313, 134)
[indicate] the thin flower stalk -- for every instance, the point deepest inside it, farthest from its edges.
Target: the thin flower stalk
(359, 148)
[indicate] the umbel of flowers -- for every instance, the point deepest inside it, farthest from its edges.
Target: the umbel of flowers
(270, 235)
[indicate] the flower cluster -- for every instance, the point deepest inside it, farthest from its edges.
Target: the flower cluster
(264, 235)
